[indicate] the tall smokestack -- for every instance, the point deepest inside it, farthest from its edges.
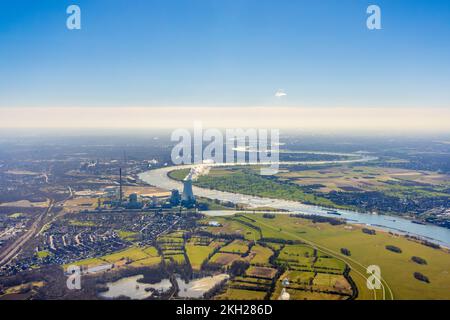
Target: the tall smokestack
(120, 183)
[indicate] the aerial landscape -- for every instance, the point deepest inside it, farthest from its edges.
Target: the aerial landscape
(310, 230)
(218, 151)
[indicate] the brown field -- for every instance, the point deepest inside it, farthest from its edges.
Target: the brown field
(238, 294)
(224, 258)
(260, 255)
(22, 173)
(261, 272)
(79, 204)
(25, 204)
(305, 295)
(146, 191)
(347, 178)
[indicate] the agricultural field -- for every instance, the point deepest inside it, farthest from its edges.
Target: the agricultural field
(267, 256)
(127, 235)
(80, 204)
(233, 226)
(199, 249)
(261, 272)
(145, 191)
(153, 258)
(21, 291)
(172, 247)
(260, 255)
(240, 294)
(311, 285)
(133, 256)
(256, 283)
(397, 268)
(307, 295)
(224, 259)
(86, 263)
(363, 178)
(78, 223)
(42, 254)
(25, 204)
(237, 246)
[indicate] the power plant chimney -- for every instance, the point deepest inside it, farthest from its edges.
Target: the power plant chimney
(120, 185)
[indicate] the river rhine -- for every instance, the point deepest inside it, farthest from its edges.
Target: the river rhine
(159, 178)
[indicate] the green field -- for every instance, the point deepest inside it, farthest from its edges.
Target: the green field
(42, 254)
(397, 269)
(127, 235)
(237, 246)
(261, 255)
(197, 254)
(233, 226)
(135, 256)
(296, 252)
(146, 262)
(173, 247)
(90, 262)
(78, 223)
(299, 276)
(133, 253)
(238, 294)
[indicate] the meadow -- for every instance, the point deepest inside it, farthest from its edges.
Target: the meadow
(199, 251)
(133, 256)
(396, 268)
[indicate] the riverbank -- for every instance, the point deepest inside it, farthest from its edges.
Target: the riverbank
(159, 178)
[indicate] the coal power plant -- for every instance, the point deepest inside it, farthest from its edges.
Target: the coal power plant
(188, 198)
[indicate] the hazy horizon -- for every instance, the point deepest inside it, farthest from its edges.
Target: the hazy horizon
(395, 120)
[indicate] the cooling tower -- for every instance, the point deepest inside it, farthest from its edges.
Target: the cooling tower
(188, 194)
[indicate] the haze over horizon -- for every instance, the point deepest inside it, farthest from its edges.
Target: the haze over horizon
(415, 120)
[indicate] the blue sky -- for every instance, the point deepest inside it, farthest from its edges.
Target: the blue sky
(224, 53)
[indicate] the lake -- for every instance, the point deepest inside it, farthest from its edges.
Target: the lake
(130, 287)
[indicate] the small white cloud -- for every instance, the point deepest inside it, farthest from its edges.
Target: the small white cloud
(280, 93)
